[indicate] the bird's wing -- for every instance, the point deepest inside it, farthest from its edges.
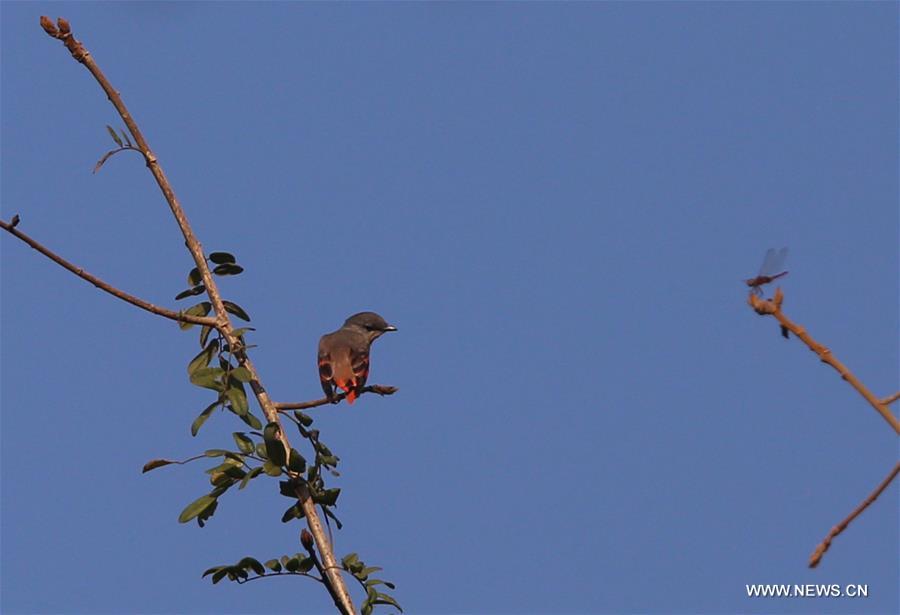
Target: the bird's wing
(326, 370)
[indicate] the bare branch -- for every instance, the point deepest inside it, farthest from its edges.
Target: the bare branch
(379, 389)
(816, 557)
(10, 227)
(224, 325)
(772, 307)
(891, 399)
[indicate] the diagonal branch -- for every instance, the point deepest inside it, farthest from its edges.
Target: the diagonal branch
(224, 325)
(379, 389)
(772, 307)
(816, 557)
(10, 227)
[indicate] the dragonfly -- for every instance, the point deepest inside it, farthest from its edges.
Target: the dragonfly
(771, 270)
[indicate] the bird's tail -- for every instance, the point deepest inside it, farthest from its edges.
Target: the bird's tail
(349, 388)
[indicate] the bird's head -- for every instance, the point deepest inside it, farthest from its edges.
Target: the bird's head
(370, 323)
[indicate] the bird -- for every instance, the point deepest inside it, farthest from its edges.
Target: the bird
(344, 354)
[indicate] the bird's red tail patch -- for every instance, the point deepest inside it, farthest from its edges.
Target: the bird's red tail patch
(349, 387)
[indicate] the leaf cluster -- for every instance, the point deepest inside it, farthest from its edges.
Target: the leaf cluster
(362, 574)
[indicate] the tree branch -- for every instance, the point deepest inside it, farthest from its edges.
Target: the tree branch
(891, 399)
(379, 389)
(224, 325)
(10, 227)
(772, 307)
(816, 557)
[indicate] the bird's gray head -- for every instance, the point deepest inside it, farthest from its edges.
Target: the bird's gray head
(370, 323)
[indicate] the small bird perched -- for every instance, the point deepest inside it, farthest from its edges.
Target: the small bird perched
(344, 354)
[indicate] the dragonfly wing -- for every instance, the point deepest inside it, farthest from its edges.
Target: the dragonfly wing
(774, 261)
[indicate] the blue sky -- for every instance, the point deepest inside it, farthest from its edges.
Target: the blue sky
(555, 204)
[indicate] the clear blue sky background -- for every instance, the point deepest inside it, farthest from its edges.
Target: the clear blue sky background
(556, 204)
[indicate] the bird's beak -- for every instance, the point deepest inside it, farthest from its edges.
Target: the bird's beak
(390, 328)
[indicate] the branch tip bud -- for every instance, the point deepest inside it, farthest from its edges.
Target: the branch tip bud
(306, 540)
(48, 26)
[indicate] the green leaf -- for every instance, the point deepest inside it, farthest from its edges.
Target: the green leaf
(204, 335)
(196, 290)
(293, 564)
(231, 469)
(228, 269)
(238, 400)
(215, 493)
(274, 565)
(306, 564)
(333, 517)
(198, 422)
(206, 514)
(272, 469)
(244, 443)
(349, 559)
(251, 420)
(114, 136)
(203, 357)
(242, 374)
(250, 476)
(241, 331)
(304, 419)
(222, 480)
(210, 571)
(274, 447)
(219, 575)
(329, 460)
(216, 452)
(364, 574)
(252, 563)
(195, 508)
(328, 497)
(194, 277)
(385, 599)
(287, 489)
(234, 308)
(208, 378)
(156, 463)
(296, 462)
(367, 608)
(294, 512)
(221, 258)
(371, 595)
(125, 138)
(201, 309)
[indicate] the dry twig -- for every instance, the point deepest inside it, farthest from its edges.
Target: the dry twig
(772, 307)
(379, 389)
(816, 557)
(10, 227)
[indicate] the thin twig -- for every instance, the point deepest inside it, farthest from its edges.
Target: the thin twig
(773, 307)
(816, 557)
(281, 574)
(379, 389)
(10, 227)
(224, 325)
(891, 399)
